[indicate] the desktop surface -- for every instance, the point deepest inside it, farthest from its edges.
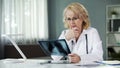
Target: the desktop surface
(36, 63)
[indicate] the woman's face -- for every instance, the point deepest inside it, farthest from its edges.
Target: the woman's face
(74, 22)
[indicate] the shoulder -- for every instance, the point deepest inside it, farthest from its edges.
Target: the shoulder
(93, 33)
(65, 31)
(91, 30)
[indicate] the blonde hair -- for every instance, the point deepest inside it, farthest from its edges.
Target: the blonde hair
(79, 10)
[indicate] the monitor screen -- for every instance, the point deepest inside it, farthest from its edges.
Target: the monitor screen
(55, 47)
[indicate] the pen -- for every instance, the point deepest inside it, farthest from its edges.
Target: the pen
(56, 62)
(100, 62)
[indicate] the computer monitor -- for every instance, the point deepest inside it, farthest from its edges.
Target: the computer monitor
(55, 47)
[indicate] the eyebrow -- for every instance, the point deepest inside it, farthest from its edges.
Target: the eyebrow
(72, 18)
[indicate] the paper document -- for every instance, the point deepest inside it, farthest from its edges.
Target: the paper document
(88, 63)
(116, 62)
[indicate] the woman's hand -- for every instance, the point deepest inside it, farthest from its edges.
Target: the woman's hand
(70, 34)
(74, 58)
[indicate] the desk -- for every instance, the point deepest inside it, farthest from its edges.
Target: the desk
(35, 63)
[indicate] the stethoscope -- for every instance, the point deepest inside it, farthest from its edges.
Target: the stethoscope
(86, 38)
(86, 43)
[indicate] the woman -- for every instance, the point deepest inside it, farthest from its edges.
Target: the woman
(83, 40)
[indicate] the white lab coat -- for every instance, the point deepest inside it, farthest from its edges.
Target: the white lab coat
(95, 51)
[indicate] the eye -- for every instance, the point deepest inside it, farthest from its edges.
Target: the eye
(75, 18)
(68, 19)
